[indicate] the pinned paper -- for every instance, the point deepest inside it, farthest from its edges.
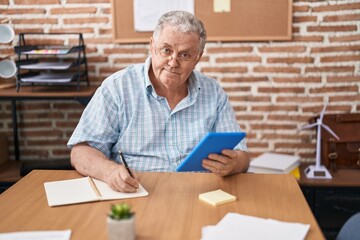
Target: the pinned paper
(222, 5)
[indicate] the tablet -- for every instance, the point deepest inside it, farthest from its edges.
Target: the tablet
(213, 142)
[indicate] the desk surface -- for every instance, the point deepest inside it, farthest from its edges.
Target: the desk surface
(28, 92)
(171, 211)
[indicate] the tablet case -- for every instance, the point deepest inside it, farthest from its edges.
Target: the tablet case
(213, 142)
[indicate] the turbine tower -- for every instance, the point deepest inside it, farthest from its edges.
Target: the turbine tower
(318, 170)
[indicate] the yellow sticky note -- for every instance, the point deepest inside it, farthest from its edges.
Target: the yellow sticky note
(217, 197)
(222, 5)
(296, 173)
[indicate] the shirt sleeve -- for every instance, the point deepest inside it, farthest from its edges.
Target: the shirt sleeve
(226, 120)
(98, 125)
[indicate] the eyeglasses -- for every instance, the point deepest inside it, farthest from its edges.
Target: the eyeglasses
(168, 53)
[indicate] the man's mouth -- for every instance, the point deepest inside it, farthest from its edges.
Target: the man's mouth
(172, 72)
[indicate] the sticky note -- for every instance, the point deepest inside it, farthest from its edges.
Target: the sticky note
(222, 5)
(217, 197)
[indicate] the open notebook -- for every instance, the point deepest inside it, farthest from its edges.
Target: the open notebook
(81, 190)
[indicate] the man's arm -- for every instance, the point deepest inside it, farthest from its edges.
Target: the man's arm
(89, 161)
(228, 163)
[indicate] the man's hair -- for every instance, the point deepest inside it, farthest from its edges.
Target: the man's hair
(184, 22)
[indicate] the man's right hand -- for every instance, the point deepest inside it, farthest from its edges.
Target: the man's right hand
(119, 179)
(89, 161)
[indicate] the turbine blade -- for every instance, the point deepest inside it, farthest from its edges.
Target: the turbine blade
(323, 111)
(309, 126)
(330, 131)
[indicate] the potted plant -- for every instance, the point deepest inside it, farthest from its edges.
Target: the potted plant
(121, 222)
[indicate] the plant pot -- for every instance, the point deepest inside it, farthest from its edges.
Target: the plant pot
(123, 229)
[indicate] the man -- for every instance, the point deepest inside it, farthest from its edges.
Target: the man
(155, 113)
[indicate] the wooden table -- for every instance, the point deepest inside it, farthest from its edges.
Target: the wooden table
(171, 211)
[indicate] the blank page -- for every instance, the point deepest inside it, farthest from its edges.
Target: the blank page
(72, 191)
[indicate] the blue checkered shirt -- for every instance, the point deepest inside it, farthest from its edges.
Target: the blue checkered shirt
(126, 114)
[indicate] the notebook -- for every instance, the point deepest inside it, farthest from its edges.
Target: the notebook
(86, 189)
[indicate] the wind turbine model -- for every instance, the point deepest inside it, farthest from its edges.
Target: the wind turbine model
(318, 170)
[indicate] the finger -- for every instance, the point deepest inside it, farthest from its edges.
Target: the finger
(123, 186)
(129, 180)
(229, 153)
(218, 158)
(135, 175)
(123, 182)
(214, 167)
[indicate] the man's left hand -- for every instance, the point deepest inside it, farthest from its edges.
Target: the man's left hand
(227, 163)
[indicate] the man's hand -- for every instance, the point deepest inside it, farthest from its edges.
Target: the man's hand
(120, 180)
(227, 163)
(89, 161)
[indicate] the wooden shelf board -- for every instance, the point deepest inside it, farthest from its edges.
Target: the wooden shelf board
(10, 171)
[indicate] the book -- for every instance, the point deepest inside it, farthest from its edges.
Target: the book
(85, 189)
(217, 197)
(274, 163)
(296, 173)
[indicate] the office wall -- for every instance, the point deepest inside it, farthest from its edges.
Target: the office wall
(274, 87)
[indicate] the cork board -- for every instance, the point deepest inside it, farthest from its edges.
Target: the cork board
(248, 20)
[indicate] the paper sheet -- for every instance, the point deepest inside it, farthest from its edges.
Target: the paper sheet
(237, 226)
(147, 12)
(37, 235)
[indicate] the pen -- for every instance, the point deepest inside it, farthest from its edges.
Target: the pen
(122, 158)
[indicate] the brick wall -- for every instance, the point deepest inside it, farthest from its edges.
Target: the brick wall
(275, 87)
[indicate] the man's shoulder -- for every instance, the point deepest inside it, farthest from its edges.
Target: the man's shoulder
(206, 81)
(130, 71)
(130, 74)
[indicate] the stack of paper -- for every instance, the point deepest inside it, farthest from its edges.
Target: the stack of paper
(37, 235)
(274, 163)
(237, 226)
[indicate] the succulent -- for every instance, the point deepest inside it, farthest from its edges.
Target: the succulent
(120, 211)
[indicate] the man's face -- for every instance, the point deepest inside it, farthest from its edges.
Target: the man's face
(174, 56)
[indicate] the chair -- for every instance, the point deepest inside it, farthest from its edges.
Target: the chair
(351, 229)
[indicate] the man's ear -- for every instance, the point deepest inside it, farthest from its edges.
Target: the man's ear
(151, 43)
(199, 57)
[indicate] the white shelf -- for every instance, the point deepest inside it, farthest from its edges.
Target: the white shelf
(48, 51)
(49, 78)
(48, 65)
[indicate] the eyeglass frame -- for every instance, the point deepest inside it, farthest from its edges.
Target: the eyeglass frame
(177, 58)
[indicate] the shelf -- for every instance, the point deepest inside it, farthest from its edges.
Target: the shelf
(49, 78)
(10, 171)
(47, 50)
(36, 67)
(47, 66)
(48, 92)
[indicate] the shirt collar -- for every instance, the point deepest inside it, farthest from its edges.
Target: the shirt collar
(148, 85)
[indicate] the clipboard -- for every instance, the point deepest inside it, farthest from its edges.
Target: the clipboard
(213, 142)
